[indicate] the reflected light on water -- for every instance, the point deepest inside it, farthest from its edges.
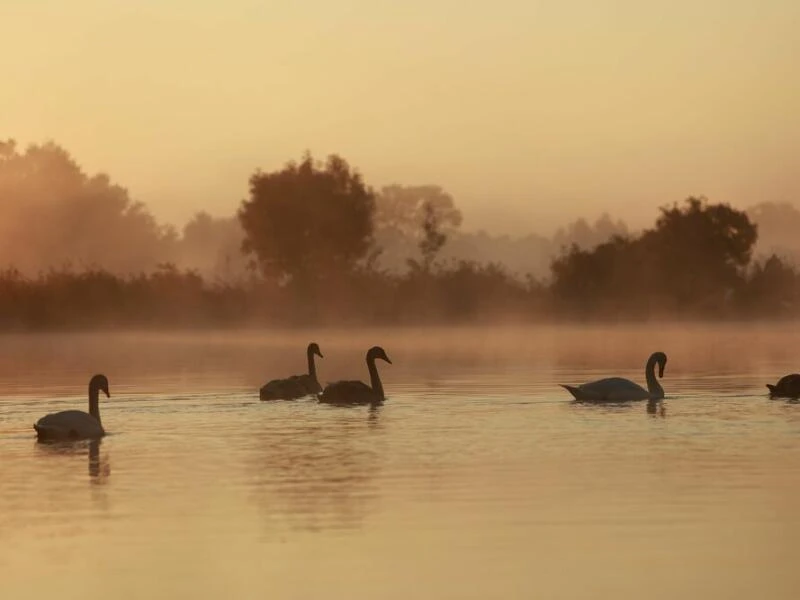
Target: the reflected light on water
(479, 477)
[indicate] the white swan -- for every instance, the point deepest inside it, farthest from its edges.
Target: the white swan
(295, 386)
(357, 392)
(76, 424)
(617, 389)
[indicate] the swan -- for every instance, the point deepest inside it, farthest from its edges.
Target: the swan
(357, 392)
(788, 386)
(295, 386)
(76, 424)
(617, 389)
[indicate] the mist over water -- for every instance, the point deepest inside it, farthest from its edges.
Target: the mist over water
(478, 478)
(538, 193)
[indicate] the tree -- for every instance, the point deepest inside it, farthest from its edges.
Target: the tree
(692, 260)
(308, 220)
(433, 239)
(587, 236)
(213, 246)
(773, 288)
(404, 207)
(778, 226)
(407, 216)
(52, 215)
(699, 251)
(604, 279)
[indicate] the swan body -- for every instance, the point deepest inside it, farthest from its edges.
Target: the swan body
(76, 424)
(618, 389)
(358, 392)
(788, 386)
(295, 386)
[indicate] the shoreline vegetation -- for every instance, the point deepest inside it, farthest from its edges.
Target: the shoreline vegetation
(314, 246)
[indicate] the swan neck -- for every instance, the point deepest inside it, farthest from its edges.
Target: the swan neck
(374, 378)
(312, 366)
(653, 386)
(94, 402)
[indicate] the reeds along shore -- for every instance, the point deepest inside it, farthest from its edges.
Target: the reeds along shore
(460, 293)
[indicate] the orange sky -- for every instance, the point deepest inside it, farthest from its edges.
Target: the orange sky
(529, 113)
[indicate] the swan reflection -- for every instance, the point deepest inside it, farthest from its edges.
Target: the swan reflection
(99, 467)
(656, 408)
(318, 477)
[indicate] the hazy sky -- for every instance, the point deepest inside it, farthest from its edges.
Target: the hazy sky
(529, 113)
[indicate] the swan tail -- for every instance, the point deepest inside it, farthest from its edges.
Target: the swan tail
(772, 388)
(572, 390)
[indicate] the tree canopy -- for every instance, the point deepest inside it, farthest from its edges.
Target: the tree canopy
(53, 215)
(778, 229)
(413, 221)
(693, 259)
(699, 250)
(309, 219)
(405, 207)
(587, 236)
(213, 247)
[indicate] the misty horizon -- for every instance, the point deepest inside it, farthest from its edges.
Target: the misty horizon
(42, 187)
(315, 242)
(553, 111)
(493, 211)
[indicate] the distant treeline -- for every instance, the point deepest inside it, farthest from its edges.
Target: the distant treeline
(458, 293)
(169, 298)
(314, 244)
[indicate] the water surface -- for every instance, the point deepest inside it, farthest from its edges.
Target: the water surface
(478, 478)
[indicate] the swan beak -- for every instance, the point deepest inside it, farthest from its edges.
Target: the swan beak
(660, 370)
(387, 360)
(320, 354)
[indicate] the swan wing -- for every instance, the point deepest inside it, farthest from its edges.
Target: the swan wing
(611, 389)
(309, 384)
(306, 384)
(787, 380)
(69, 425)
(283, 389)
(347, 392)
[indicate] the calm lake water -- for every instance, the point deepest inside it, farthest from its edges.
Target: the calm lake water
(478, 478)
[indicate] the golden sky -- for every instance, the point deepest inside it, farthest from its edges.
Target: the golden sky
(529, 113)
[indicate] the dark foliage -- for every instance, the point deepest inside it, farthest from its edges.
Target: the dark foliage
(54, 214)
(694, 262)
(309, 220)
(311, 228)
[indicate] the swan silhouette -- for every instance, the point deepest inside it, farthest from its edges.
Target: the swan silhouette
(357, 392)
(617, 389)
(295, 386)
(76, 424)
(788, 386)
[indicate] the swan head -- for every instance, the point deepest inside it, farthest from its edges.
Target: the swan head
(661, 360)
(377, 352)
(313, 348)
(99, 383)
